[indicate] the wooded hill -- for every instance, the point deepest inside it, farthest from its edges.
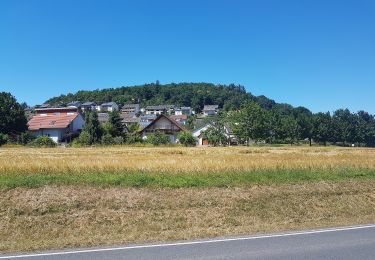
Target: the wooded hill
(195, 95)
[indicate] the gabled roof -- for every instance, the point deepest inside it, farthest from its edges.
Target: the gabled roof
(179, 117)
(89, 104)
(159, 107)
(197, 132)
(210, 107)
(51, 121)
(74, 103)
(131, 106)
(103, 117)
(109, 104)
(164, 116)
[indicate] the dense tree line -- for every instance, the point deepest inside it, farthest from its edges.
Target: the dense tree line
(12, 119)
(252, 123)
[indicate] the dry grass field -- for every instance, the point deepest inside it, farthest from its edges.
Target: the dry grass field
(176, 159)
(59, 198)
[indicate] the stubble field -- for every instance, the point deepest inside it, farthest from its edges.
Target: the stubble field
(59, 198)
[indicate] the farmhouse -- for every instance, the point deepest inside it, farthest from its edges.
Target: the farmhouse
(131, 109)
(57, 123)
(108, 107)
(181, 119)
(76, 104)
(165, 125)
(88, 106)
(210, 110)
(227, 131)
(198, 134)
(160, 109)
(183, 111)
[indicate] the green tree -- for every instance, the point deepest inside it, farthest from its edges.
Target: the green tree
(345, 126)
(290, 129)
(3, 139)
(304, 119)
(186, 138)
(84, 138)
(322, 131)
(12, 115)
(215, 135)
(93, 128)
(251, 123)
(107, 139)
(116, 121)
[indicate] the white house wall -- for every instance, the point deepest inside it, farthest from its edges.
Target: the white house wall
(54, 134)
(78, 123)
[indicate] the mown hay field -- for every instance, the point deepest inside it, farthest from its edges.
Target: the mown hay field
(64, 197)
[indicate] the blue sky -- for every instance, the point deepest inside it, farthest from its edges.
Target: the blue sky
(318, 54)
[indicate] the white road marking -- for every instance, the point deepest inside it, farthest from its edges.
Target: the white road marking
(193, 242)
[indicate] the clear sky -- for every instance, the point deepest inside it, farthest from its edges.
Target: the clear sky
(319, 54)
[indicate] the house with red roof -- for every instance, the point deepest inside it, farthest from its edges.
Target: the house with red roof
(61, 124)
(164, 125)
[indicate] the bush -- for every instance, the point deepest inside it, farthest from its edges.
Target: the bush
(187, 139)
(84, 138)
(132, 139)
(43, 141)
(26, 138)
(157, 139)
(107, 139)
(3, 139)
(118, 140)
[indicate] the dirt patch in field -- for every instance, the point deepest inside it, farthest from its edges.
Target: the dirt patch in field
(54, 217)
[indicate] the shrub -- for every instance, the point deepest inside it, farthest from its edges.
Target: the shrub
(132, 139)
(26, 138)
(84, 138)
(43, 141)
(118, 140)
(157, 139)
(3, 139)
(186, 138)
(107, 139)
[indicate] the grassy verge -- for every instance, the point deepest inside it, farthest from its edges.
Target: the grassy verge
(52, 217)
(183, 180)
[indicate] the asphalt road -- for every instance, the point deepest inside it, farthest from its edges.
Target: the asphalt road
(339, 243)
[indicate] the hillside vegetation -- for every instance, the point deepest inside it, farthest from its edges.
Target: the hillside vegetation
(195, 95)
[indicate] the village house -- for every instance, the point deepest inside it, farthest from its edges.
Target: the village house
(88, 106)
(103, 118)
(57, 123)
(160, 109)
(210, 110)
(108, 107)
(183, 111)
(181, 119)
(227, 131)
(131, 109)
(145, 120)
(76, 104)
(130, 119)
(156, 110)
(164, 125)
